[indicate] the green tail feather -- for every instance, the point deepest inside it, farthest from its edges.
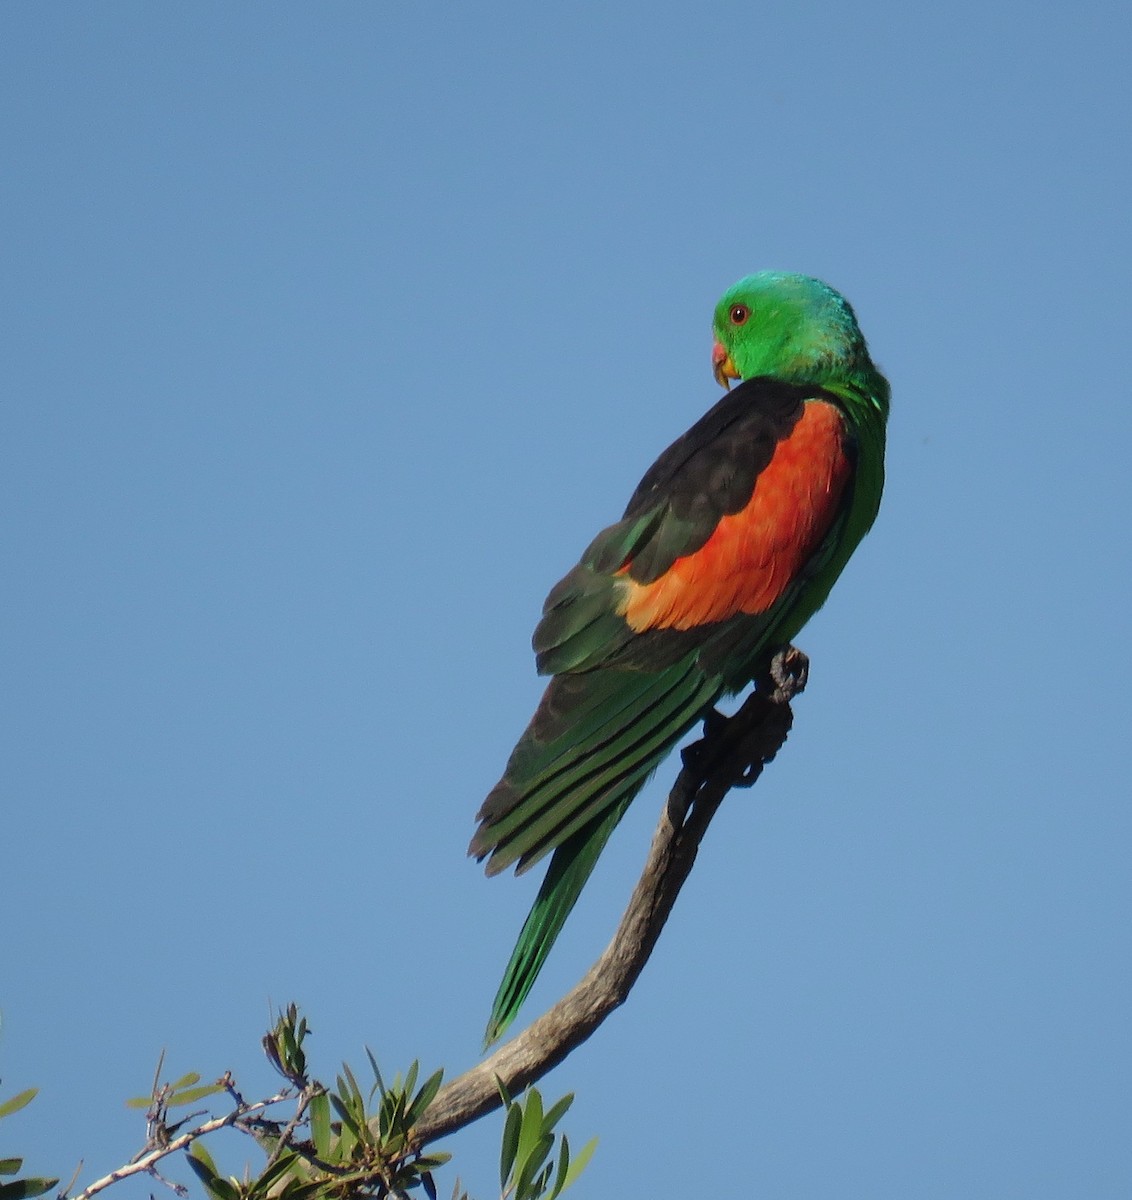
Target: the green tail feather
(569, 869)
(572, 800)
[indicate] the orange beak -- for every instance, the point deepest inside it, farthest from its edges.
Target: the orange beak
(722, 367)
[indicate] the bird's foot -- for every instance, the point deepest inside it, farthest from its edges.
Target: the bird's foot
(790, 672)
(734, 750)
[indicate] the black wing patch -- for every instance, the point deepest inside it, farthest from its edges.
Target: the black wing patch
(711, 471)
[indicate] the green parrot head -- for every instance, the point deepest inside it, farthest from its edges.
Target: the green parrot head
(789, 326)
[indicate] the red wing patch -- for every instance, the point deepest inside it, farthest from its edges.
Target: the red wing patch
(753, 554)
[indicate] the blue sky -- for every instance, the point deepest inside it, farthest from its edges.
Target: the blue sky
(333, 333)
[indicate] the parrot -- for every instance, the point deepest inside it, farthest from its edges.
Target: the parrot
(730, 543)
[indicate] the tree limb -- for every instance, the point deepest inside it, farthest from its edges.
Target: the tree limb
(732, 753)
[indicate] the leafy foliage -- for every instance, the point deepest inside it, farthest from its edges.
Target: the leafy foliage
(30, 1186)
(340, 1143)
(528, 1169)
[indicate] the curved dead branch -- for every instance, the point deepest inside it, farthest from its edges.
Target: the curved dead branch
(732, 753)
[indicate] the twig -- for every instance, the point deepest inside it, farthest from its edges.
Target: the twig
(146, 1162)
(284, 1139)
(731, 754)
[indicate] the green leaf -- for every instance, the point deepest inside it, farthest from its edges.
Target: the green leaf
(185, 1081)
(320, 1124)
(347, 1140)
(9, 1166)
(510, 1146)
(536, 1189)
(198, 1151)
(18, 1102)
(284, 1044)
(270, 1045)
(411, 1078)
(376, 1072)
(139, 1102)
(300, 1191)
(391, 1116)
(402, 1179)
(24, 1189)
(562, 1168)
(290, 1049)
(222, 1189)
(353, 1083)
(531, 1131)
(429, 1162)
(193, 1094)
(274, 1173)
(204, 1168)
(580, 1163)
(557, 1112)
(346, 1116)
(504, 1093)
(532, 1164)
(424, 1098)
(202, 1162)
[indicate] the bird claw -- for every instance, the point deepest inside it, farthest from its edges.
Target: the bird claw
(790, 671)
(735, 749)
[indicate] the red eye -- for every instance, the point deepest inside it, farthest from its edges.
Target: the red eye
(739, 314)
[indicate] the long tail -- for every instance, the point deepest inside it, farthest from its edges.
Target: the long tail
(595, 739)
(569, 869)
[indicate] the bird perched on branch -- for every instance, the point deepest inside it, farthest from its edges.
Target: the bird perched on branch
(730, 543)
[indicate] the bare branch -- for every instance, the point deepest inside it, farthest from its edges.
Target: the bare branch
(731, 754)
(147, 1162)
(283, 1142)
